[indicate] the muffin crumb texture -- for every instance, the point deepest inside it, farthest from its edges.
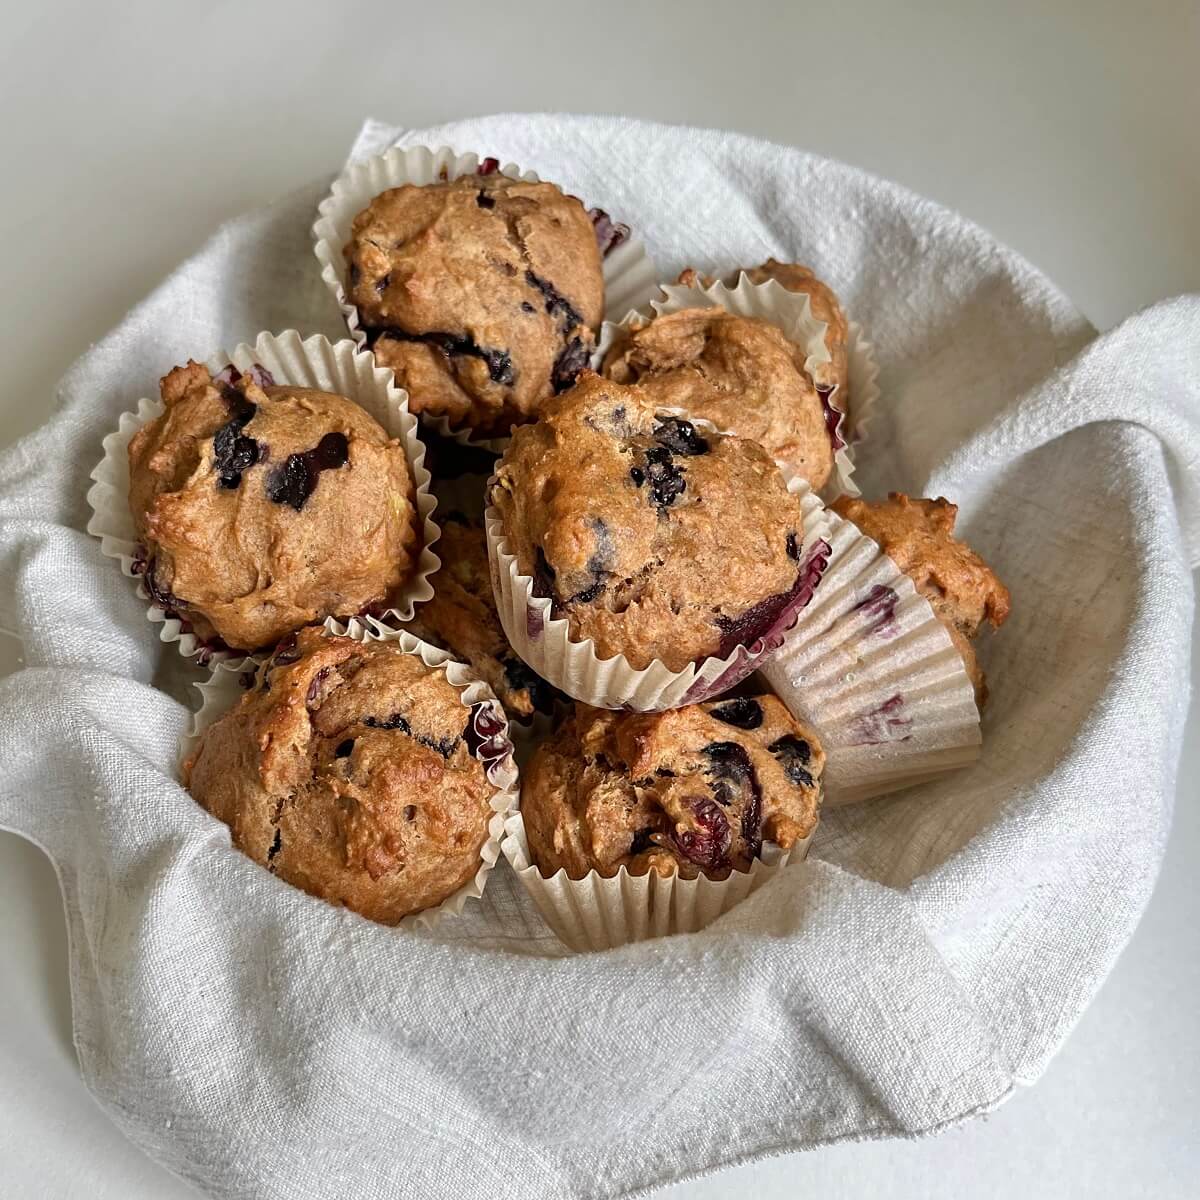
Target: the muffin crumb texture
(351, 770)
(689, 791)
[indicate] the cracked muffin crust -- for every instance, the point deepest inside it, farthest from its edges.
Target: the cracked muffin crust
(825, 307)
(917, 535)
(462, 619)
(653, 539)
(482, 293)
(740, 373)
(692, 791)
(351, 770)
(264, 508)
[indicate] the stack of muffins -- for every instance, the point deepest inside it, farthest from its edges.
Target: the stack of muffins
(624, 537)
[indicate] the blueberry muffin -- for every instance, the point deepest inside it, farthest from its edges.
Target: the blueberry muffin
(482, 293)
(655, 540)
(690, 791)
(262, 508)
(354, 771)
(917, 535)
(462, 619)
(740, 373)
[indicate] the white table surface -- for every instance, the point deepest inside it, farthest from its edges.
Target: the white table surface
(131, 131)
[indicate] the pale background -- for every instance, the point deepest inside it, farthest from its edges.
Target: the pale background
(1071, 130)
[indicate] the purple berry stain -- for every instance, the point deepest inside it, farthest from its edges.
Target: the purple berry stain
(295, 479)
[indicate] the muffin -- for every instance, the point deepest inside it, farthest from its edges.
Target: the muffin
(690, 791)
(654, 540)
(740, 373)
(352, 770)
(462, 619)
(917, 535)
(264, 508)
(482, 293)
(825, 307)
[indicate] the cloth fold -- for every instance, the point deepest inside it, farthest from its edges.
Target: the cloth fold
(935, 950)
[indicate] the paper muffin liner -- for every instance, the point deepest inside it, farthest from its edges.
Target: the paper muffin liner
(599, 913)
(575, 667)
(792, 313)
(630, 278)
(312, 362)
(220, 692)
(875, 672)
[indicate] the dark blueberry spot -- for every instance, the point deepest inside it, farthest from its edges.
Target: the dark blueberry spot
(667, 483)
(246, 679)
(527, 307)
(557, 305)
(543, 576)
(793, 754)
(519, 677)
(609, 233)
(225, 376)
(395, 721)
(707, 846)
(499, 362)
(484, 733)
(485, 201)
(793, 548)
(355, 275)
(230, 394)
(260, 375)
(161, 596)
(664, 772)
(728, 760)
(680, 437)
(637, 475)
(344, 748)
(833, 418)
(410, 812)
(588, 594)
(381, 284)
(233, 452)
(743, 713)
(489, 166)
(276, 846)
(443, 746)
(752, 820)
(571, 359)
(295, 479)
(643, 840)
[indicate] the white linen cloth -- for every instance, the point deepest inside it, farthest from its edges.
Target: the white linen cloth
(936, 950)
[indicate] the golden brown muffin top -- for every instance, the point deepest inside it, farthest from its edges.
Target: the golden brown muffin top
(350, 770)
(694, 790)
(740, 373)
(482, 293)
(656, 540)
(263, 508)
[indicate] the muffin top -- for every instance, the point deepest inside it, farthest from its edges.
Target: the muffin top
(654, 539)
(482, 293)
(265, 508)
(462, 618)
(740, 373)
(694, 790)
(917, 535)
(351, 770)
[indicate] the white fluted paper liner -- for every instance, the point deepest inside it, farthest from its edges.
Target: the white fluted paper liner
(220, 692)
(312, 362)
(875, 672)
(630, 278)
(598, 913)
(792, 313)
(574, 666)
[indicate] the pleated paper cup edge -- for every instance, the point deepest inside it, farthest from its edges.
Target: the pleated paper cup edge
(611, 682)
(632, 274)
(112, 524)
(625, 920)
(221, 690)
(964, 732)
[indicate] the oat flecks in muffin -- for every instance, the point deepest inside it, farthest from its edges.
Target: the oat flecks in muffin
(652, 538)
(348, 770)
(918, 535)
(462, 619)
(692, 791)
(740, 373)
(265, 508)
(483, 294)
